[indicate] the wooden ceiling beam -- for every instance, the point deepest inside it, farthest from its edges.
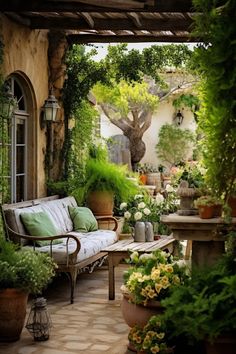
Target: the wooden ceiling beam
(83, 39)
(110, 24)
(78, 6)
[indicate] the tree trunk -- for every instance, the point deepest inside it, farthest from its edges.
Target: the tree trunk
(137, 147)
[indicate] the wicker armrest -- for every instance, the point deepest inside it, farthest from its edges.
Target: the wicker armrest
(107, 222)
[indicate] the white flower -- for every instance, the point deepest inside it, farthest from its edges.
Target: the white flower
(134, 255)
(141, 205)
(123, 205)
(138, 215)
(138, 196)
(146, 211)
(169, 188)
(145, 256)
(127, 215)
(159, 198)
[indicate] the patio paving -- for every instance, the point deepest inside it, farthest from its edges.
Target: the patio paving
(91, 325)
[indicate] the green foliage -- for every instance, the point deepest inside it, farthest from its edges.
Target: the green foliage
(187, 100)
(24, 268)
(174, 144)
(105, 176)
(193, 173)
(126, 97)
(215, 59)
(82, 73)
(205, 200)
(206, 305)
(134, 65)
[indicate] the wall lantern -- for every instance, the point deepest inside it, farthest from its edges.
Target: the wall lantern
(39, 321)
(50, 107)
(7, 101)
(178, 119)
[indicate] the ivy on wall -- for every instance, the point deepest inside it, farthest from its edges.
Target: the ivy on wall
(82, 73)
(215, 59)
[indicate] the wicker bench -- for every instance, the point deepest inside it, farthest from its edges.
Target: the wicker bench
(77, 251)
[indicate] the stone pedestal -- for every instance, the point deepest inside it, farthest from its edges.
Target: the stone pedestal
(207, 244)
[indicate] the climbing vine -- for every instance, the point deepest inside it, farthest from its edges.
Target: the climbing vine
(215, 61)
(82, 73)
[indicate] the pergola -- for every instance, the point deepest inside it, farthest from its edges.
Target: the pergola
(87, 21)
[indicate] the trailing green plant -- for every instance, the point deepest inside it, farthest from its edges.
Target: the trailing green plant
(24, 268)
(174, 144)
(215, 62)
(105, 176)
(82, 73)
(187, 100)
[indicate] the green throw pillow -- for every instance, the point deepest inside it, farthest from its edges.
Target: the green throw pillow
(39, 224)
(83, 219)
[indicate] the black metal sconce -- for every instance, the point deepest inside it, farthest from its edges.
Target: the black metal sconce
(178, 119)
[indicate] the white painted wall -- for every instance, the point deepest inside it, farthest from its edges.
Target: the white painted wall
(163, 115)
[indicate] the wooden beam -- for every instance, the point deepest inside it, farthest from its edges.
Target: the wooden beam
(110, 24)
(83, 39)
(78, 6)
(135, 18)
(18, 19)
(88, 19)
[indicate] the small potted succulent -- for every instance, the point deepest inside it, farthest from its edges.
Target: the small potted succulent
(206, 206)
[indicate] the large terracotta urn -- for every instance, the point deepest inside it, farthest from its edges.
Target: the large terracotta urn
(13, 304)
(101, 203)
(138, 314)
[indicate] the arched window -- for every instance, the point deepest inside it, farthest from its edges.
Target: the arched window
(13, 147)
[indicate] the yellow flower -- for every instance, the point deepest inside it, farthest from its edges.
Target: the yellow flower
(158, 287)
(155, 349)
(155, 274)
(165, 282)
(176, 279)
(151, 294)
(160, 335)
(169, 268)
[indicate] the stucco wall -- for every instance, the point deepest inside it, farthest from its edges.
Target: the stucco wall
(163, 115)
(25, 51)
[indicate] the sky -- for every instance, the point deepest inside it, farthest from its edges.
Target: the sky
(102, 47)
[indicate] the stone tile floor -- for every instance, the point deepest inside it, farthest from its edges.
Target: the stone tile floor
(92, 325)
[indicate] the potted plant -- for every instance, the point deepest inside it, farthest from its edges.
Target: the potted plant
(103, 182)
(149, 280)
(142, 207)
(22, 272)
(206, 205)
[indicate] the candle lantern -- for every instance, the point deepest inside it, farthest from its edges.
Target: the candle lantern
(39, 321)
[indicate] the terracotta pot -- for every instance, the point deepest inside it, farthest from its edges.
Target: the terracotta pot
(101, 203)
(206, 211)
(138, 314)
(224, 344)
(143, 179)
(13, 304)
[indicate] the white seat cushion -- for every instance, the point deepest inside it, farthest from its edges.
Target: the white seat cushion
(91, 244)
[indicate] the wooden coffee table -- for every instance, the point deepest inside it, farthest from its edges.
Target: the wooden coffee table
(122, 249)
